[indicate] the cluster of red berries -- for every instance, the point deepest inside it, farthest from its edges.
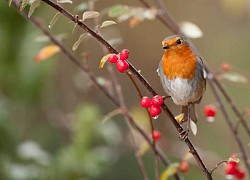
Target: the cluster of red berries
(210, 112)
(156, 135)
(120, 60)
(152, 105)
(232, 169)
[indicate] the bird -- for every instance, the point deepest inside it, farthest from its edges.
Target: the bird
(182, 74)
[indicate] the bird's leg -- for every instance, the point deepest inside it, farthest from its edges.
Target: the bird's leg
(166, 97)
(184, 134)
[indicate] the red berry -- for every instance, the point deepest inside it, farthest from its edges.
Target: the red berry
(157, 100)
(226, 67)
(122, 66)
(145, 102)
(124, 54)
(113, 58)
(156, 135)
(183, 167)
(210, 111)
(240, 174)
(231, 169)
(154, 110)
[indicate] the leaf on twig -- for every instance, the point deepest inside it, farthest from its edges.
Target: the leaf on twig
(10, 2)
(117, 10)
(82, 6)
(191, 30)
(234, 77)
(78, 42)
(144, 147)
(107, 23)
(170, 171)
(133, 22)
(179, 117)
(33, 6)
(24, 4)
(187, 156)
(54, 19)
(44, 38)
(46, 52)
(150, 13)
(193, 127)
(111, 114)
(90, 14)
(64, 1)
(103, 60)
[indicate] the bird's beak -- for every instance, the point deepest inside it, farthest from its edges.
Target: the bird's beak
(166, 47)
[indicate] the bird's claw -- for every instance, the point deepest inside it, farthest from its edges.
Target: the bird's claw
(183, 135)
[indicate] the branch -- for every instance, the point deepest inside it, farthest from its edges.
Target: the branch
(231, 126)
(111, 49)
(74, 60)
(172, 25)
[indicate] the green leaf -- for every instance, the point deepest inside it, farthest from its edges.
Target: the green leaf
(170, 171)
(117, 10)
(64, 1)
(234, 77)
(24, 4)
(144, 147)
(9, 2)
(82, 7)
(33, 6)
(107, 23)
(90, 14)
(54, 19)
(78, 42)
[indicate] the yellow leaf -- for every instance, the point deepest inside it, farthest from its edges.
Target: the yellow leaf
(171, 170)
(187, 156)
(193, 127)
(107, 23)
(103, 60)
(133, 22)
(90, 14)
(33, 6)
(78, 42)
(179, 117)
(46, 52)
(144, 147)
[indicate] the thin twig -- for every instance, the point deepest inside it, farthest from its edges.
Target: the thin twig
(111, 49)
(231, 126)
(74, 60)
(118, 90)
(217, 165)
(151, 124)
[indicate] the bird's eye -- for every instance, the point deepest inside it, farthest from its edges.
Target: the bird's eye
(179, 41)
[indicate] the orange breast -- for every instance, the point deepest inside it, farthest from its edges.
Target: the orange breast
(179, 62)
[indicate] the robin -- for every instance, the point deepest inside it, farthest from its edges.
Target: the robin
(182, 74)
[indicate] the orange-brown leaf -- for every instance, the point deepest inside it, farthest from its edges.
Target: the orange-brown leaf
(46, 52)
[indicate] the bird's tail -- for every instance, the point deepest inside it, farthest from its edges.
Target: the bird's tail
(193, 114)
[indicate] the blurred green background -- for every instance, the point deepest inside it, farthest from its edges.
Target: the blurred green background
(50, 112)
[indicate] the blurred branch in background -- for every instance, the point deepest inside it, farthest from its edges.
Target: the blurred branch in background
(173, 26)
